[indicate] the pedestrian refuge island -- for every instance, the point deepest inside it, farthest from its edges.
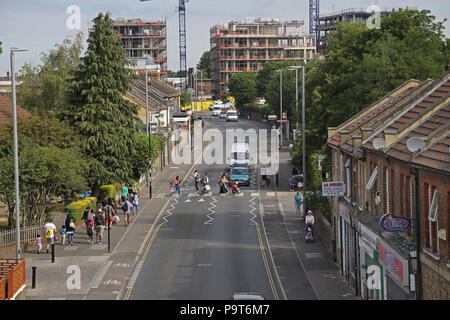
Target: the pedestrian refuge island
(12, 277)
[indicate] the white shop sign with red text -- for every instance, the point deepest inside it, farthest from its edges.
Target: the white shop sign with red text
(330, 189)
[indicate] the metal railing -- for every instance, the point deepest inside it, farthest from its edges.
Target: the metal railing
(27, 235)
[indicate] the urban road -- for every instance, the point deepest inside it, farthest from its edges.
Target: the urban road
(209, 247)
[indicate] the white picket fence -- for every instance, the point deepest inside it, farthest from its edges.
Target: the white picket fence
(27, 235)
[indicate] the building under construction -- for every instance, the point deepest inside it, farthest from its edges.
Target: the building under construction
(141, 38)
(246, 45)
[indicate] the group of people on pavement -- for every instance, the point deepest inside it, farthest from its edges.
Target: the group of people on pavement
(95, 221)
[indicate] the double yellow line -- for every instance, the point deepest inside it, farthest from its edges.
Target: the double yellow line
(266, 264)
(149, 246)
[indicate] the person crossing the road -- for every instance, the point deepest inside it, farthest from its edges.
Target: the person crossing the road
(177, 183)
(196, 181)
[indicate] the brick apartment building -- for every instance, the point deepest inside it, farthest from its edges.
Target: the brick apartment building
(394, 157)
(246, 45)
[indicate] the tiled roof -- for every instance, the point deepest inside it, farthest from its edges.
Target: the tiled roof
(421, 111)
(158, 91)
(6, 110)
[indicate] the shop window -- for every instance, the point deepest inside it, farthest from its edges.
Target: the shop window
(348, 179)
(431, 233)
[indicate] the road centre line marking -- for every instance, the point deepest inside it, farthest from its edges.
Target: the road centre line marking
(266, 264)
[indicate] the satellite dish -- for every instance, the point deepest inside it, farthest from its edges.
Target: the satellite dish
(379, 143)
(415, 143)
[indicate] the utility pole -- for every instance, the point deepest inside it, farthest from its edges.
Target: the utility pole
(16, 152)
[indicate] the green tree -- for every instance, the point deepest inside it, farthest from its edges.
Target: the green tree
(204, 65)
(50, 165)
(185, 98)
(242, 87)
(102, 118)
(1, 50)
(44, 87)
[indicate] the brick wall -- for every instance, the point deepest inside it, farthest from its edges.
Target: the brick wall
(323, 230)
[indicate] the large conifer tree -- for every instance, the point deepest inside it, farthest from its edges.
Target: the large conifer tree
(97, 111)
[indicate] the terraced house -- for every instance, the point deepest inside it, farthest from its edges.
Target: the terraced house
(394, 158)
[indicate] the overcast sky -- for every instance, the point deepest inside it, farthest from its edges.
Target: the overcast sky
(39, 25)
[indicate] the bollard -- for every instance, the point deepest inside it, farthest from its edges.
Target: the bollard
(33, 278)
(53, 253)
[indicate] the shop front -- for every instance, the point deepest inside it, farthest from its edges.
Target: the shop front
(396, 280)
(371, 272)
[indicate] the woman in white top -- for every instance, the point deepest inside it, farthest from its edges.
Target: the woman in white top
(309, 218)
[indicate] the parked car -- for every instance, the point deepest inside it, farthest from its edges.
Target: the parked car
(247, 296)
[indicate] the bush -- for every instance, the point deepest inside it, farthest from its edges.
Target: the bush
(92, 201)
(76, 209)
(263, 109)
(107, 191)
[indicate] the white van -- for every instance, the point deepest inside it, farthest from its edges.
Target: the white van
(217, 108)
(232, 115)
(239, 154)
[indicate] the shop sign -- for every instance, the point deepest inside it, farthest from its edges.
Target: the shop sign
(391, 223)
(367, 240)
(393, 263)
(330, 189)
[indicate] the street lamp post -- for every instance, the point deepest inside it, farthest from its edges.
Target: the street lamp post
(281, 106)
(147, 62)
(16, 152)
(303, 126)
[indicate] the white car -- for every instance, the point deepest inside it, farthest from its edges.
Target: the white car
(232, 115)
(216, 110)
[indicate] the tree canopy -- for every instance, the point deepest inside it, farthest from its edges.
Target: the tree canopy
(103, 120)
(204, 65)
(44, 87)
(242, 87)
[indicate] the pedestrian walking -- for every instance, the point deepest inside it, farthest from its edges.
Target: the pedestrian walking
(124, 193)
(126, 207)
(109, 213)
(196, 181)
(70, 229)
(38, 242)
(298, 202)
(172, 188)
(135, 203)
(131, 191)
(223, 184)
(205, 182)
(63, 234)
(90, 232)
(99, 223)
(85, 216)
(177, 182)
(49, 232)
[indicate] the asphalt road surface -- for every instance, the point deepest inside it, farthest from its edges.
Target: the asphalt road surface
(209, 247)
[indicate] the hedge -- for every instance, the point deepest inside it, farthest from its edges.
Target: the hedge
(93, 202)
(107, 191)
(76, 209)
(263, 109)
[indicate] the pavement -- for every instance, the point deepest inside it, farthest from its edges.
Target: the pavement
(318, 276)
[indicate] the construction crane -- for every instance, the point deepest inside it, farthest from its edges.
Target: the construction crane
(182, 41)
(314, 20)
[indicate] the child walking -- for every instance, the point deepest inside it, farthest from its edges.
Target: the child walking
(172, 188)
(63, 235)
(39, 243)
(90, 232)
